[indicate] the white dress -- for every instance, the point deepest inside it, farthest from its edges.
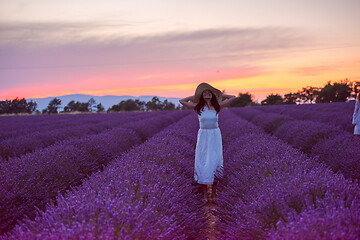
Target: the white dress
(356, 118)
(208, 152)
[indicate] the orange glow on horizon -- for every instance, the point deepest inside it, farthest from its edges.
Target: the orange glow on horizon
(278, 76)
(259, 87)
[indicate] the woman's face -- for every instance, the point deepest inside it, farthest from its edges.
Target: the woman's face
(207, 95)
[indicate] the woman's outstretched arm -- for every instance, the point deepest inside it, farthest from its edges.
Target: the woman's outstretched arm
(186, 103)
(228, 100)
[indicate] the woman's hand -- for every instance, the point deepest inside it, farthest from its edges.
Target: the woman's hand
(186, 103)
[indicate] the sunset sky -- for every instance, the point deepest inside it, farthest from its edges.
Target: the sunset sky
(167, 47)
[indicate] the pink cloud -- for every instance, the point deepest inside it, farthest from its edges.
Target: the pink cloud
(313, 70)
(128, 63)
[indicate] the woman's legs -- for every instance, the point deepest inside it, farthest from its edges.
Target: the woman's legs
(213, 188)
(205, 188)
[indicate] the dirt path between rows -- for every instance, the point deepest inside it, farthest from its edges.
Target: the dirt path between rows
(210, 232)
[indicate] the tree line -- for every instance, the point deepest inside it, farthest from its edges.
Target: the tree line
(339, 91)
(22, 106)
(125, 105)
(331, 92)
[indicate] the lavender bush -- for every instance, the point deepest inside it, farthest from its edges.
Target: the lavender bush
(327, 222)
(306, 134)
(341, 153)
(335, 114)
(268, 182)
(33, 179)
(146, 193)
(15, 126)
(271, 121)
(16, 146)
(270, 190)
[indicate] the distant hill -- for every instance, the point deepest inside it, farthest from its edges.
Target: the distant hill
(107, 101)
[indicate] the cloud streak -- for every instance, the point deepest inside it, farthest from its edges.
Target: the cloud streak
(57, 33)
(122, 61)
(176, 46)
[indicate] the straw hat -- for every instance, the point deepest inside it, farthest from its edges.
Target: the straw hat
(205, 86)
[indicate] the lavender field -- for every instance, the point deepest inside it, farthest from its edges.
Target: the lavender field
(290, 172)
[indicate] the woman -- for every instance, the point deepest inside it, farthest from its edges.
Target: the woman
(208, 166)
(356, 116)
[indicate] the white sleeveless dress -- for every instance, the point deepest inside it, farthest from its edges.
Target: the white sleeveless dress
(209, 151)
(356, 118)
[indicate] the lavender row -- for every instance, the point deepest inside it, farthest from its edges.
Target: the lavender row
(10, 123)
(34, 179)
(273, 191)
(335, 116)
(13, 122)
(337, 149)
(16, 146)
(329, 107)
(319, 107)
(146, 193)
(340, 150)
(47, 124)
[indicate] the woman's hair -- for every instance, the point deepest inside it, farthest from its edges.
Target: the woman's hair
(202, 103)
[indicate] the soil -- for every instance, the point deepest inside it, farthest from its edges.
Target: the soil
(210, 232)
